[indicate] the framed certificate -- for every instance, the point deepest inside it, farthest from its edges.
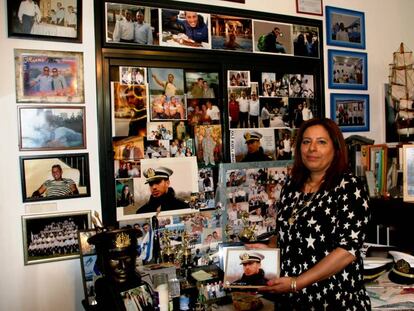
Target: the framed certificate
(313, 7)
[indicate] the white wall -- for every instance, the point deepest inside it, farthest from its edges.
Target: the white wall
(57, 285)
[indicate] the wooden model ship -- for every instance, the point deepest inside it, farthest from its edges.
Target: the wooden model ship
(402, 92)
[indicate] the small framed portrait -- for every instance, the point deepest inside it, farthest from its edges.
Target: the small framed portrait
(185, 29)
(54, 177)
(53, 236)
(84, 247)
(231, 33)
(131, 24)
(138, 298)
(345, 27)
(408, 173)
(251, 268)
(45, 20)
(271, 37)
(350, 111)
(49, 76)
(347, 70)
(312, 7)
(51, 128)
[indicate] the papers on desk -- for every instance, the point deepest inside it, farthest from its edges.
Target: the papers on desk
(201, 275)
(385, 294)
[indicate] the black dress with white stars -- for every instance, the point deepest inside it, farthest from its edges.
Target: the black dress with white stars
(333, 218)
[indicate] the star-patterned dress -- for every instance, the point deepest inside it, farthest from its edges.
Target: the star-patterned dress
(333, 218)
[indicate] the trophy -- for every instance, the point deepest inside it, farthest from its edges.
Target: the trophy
(168, 253)
(247, 233)
(186, 250)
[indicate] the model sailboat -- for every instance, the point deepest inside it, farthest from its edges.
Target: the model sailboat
(402, 91)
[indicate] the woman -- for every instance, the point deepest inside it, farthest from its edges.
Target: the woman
(322, 220)
(126, 197)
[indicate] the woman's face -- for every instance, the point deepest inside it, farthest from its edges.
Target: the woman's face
(317, 149)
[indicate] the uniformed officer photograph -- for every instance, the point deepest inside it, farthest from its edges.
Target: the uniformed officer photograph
(253, 145)
(250, 268)
(165, 186)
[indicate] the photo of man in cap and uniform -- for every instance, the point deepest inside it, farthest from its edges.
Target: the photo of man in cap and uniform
(254, 150)
(253, 274)
(162, 196)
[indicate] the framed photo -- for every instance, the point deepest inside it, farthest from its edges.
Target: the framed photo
(51, 128)
(271, 37)
(90, 271)
(231, 33)
(140, 297)
(139, 202)
(350, 111)
(313, 7)
(45, 20)
(345, 27)
(52, 236)
(49, 76)
(121, 18)
(251, 268)
(239, 197)
(178, 29)
(408, 172)
(223, 248)
(54, 177)
(347, 70)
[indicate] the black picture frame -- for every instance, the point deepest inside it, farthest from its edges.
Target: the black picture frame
(111, 56)
(35, 170)
(43, 27)
(41, 229)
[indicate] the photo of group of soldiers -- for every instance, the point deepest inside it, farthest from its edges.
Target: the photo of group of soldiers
(53, 237)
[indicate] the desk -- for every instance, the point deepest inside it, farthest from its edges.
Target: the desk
(386, 295)
(267, 306)
(53, 30)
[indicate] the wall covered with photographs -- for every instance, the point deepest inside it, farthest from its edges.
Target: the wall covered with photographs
(181, 93)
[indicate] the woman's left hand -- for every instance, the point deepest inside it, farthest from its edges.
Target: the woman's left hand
(278, 285)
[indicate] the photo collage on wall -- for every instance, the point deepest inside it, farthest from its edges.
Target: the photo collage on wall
(167, 120)
(165, 117)
(267, 112)
(139, 25)
(250, 198)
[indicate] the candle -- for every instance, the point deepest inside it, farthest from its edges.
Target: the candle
(162, 290)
